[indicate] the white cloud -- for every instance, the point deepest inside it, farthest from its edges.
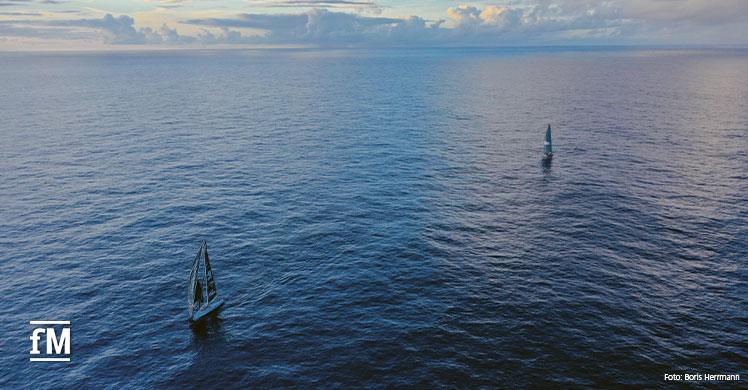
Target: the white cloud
(318, 26)
(493, 19)
(519, 23)
(357, 5)
(114, 30)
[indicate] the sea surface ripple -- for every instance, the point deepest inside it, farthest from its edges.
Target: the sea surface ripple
(376, 217)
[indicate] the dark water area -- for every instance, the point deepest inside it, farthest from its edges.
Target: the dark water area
(376, 218)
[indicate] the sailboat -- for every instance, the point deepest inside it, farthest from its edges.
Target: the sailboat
(202, 296)
(547, 146)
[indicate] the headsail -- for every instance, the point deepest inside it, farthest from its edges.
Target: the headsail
(210, 281)
(547, 146)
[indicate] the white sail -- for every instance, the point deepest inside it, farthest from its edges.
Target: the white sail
(192, 286)
(210, 281)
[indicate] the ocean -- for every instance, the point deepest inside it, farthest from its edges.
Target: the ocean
(376, 218)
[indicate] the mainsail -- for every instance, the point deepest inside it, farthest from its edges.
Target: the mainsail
(547, 146)
(210, 281)
(194, 288)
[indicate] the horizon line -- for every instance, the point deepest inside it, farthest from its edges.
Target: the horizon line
(139, 48)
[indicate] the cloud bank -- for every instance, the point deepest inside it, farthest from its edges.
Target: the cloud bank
(521, 23)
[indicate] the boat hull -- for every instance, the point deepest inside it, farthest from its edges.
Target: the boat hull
(212, 307)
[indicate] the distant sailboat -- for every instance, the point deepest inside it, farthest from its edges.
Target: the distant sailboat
(202, 296)
(547, 146)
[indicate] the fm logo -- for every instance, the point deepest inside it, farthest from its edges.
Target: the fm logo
(57, 341)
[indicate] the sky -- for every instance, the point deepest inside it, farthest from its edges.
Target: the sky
(109, 24)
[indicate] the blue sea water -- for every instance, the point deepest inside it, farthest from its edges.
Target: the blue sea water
(376, 217)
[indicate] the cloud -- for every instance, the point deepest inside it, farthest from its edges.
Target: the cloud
(13, 3)
(699, 12)
(17, 3)
(465, 25)
(525, 22)
(270, 22)
(362, 5)
(115, 30)
(40, 32)
(110, 29)
(20, 14)
(317, 26)
(492, 18)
